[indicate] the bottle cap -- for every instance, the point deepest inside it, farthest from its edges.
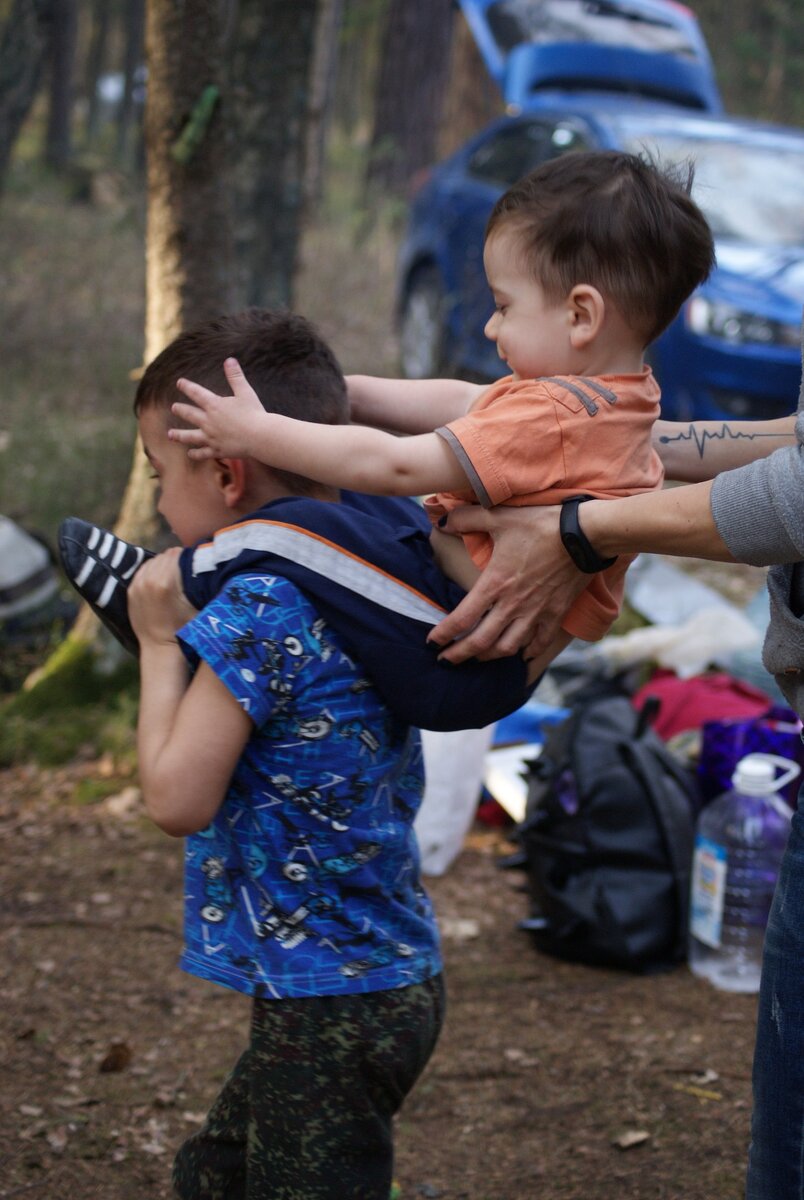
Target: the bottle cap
(755, 775)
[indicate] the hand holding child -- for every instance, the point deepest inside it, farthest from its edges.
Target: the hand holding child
(224, 424)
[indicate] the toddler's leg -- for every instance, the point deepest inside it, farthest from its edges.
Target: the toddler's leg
(211, 1164)
(453, 559)
(327, 1075)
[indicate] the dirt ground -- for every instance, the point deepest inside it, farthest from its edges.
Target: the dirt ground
(551, 1081)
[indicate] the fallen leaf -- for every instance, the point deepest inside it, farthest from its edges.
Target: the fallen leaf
(631, 1138)
(117, 1057)
(701, 1093)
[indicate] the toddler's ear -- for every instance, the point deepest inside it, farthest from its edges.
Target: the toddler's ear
(587, 309)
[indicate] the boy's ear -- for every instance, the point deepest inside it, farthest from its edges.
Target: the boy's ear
(587, 311)
(230, 479)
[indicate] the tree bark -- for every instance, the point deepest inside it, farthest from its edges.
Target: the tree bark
(23, 47)
(270, 72)
(322, 86)
(132, 59)
(472, 97)
(96, 60)
(188, 276)
(63, 40)
(410, 91)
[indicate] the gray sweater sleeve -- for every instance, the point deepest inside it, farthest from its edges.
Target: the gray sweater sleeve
(759, 508)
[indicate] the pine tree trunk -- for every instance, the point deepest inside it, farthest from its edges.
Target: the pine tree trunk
(133, 31)
(64, 36)
(96, 60)
(410, 91)
(23, 47)
(322, 86)
(270, 72)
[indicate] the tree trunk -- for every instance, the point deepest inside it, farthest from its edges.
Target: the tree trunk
(472, 97)
(410, 91)
(133, 34)
(24, 41)
(322, 86)
(96, 61)
(270, 72)
(64, 36)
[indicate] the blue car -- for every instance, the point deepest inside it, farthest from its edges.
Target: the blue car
(734, 350)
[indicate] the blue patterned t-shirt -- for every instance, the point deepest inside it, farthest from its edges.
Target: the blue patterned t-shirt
(306, 882)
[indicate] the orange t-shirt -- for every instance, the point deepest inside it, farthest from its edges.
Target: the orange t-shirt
(541, 441)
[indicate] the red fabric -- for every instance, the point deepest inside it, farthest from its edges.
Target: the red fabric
(687, 703)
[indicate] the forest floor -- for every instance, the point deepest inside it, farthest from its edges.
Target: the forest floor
(551, 1081)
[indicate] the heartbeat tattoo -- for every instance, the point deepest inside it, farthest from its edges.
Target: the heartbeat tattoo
(725, 433)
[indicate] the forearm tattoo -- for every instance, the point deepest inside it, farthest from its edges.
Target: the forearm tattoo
(725, 433)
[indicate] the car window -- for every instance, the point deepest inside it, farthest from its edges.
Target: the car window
(511, 153)
(605, 22)
(749, 192)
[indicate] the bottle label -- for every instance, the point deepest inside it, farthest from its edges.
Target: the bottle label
(708, 891)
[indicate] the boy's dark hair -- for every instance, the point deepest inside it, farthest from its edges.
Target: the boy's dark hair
(616, 221)
(290, 367)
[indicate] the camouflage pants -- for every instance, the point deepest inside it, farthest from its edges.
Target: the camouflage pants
(306, 1113)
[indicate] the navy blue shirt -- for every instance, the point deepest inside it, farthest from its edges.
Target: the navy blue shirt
(306, 882)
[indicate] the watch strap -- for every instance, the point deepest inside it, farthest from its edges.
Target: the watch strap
(581, 551)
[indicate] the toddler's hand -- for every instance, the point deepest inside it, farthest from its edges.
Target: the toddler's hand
(157, 606)
(224, 424)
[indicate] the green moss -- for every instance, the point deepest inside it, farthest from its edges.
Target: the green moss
(76, 703)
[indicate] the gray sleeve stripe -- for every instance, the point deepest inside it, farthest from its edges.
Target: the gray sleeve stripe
(465, 461)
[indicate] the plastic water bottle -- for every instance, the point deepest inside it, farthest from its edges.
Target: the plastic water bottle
(739, 841)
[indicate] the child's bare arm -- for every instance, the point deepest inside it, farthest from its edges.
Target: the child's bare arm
(190, 734)
(351, 456)
(409, 405)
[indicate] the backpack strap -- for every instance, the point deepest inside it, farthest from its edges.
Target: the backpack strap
(668, 791)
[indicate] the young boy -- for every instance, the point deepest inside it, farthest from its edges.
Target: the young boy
(261, 742)
(588, 258)
(366, 563)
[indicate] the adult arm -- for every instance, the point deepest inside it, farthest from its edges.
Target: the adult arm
(190, 733)
(692, 451)
(531, 581)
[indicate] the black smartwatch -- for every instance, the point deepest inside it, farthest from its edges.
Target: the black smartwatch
(585, 557)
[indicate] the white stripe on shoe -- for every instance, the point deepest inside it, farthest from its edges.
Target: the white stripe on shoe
(107, 593)
(140, 555)
(85, 572)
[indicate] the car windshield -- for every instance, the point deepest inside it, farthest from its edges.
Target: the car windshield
(751, 193)
(606, 22)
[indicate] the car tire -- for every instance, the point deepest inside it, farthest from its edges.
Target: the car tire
(422, 328)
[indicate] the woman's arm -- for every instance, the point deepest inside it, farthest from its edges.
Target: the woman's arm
(692, 451)
(531, 581)
(190, 734)
(409, 405)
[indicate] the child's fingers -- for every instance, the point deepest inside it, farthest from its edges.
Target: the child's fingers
(187, 412)
(188, 437)
(235, 376)
(201, 453)
(199, 395)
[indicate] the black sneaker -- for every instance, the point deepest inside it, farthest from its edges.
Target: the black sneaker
(100, 567)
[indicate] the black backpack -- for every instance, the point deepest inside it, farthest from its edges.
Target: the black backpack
(607, 840)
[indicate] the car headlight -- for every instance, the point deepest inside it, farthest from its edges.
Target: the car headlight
(711, 318)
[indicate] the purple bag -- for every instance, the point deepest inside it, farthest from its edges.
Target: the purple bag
(724, 743)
